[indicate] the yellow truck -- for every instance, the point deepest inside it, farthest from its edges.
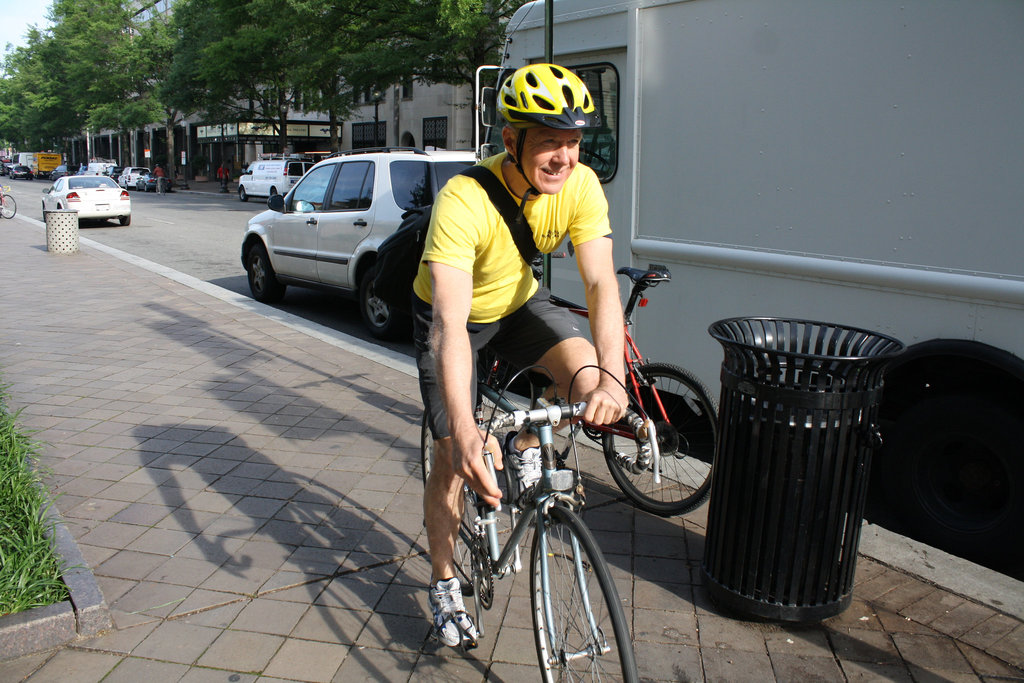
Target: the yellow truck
(46, 162)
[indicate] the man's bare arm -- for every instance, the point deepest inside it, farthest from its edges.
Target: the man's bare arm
(597, 268)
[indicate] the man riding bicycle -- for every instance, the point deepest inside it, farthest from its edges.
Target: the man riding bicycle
(474, 290)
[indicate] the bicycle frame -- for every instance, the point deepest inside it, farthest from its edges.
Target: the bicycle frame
(551, 491)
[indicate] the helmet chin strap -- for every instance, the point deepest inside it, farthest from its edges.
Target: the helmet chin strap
(520, 144)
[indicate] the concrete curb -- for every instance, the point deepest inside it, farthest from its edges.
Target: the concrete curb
(957, 575)
(83, 615)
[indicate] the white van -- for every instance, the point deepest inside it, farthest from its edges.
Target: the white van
(267, 177)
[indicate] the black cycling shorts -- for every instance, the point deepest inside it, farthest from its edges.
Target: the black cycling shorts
(520, 338)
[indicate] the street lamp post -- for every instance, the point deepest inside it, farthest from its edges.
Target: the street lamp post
(378, 97)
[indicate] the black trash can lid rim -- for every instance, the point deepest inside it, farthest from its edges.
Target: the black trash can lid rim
(765, 338)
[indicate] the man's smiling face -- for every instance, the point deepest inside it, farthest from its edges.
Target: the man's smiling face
(549, 156)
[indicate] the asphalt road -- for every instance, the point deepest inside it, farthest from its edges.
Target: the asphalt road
(201, 235)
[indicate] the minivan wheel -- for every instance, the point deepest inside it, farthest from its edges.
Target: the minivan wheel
(263, 281)
(378, 317)
(242, 196)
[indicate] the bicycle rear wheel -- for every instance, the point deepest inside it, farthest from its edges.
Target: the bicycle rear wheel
(10, 207)
(687, 431)
(579, 626)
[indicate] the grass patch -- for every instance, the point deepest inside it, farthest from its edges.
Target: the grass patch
(29, 568)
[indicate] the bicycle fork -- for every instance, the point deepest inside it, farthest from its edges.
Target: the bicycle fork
(597, 643)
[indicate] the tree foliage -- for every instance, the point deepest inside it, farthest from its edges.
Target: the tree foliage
(118, 65)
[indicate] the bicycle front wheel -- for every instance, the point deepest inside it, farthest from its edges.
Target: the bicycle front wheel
(10, 207)
(686, 420)
(579, 625)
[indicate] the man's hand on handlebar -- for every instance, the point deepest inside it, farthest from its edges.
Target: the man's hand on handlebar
(606, 404)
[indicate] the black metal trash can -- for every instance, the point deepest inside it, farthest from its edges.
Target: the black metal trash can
(797, 422)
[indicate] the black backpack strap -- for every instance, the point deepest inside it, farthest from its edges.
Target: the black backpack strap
(509, 210)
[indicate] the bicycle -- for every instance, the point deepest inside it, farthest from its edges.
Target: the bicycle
(8, 207)
(580, 629)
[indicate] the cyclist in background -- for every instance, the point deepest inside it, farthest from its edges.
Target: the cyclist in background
(474, 290)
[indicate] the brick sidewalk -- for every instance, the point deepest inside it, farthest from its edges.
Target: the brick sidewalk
(248, 497)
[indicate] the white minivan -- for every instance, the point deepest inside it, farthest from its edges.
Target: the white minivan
(267, 177)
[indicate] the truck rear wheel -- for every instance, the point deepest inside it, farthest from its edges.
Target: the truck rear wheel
(952, 471)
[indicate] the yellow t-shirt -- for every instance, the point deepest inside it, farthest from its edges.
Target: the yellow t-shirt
(467, 232)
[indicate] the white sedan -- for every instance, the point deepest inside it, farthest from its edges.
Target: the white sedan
(91, 196)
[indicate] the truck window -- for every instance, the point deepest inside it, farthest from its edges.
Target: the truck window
(600, 148)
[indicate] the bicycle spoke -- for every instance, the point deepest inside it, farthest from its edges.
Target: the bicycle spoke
(581, 631)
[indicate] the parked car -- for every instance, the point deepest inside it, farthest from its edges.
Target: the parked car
(21, 172)
(325, 232)
(114, 172)
(91, 196)
(147, 183)
(59, 172)
(129, 177)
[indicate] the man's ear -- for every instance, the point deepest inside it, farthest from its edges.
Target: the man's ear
(508, 137)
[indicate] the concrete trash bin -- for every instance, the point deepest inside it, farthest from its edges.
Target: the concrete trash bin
(61, 231)
(797, 422)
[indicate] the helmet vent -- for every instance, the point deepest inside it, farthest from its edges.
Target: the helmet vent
(532, 80)
(568, 96)
(544, 103)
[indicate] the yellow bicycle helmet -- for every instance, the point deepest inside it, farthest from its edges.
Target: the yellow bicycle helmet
(546, 95)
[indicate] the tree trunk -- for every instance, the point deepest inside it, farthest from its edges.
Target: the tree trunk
(169, 129)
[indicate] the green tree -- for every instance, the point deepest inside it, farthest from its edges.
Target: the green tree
(34, 110)
(249, 59)
(110, 61)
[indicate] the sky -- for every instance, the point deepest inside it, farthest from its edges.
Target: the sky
(15, 17)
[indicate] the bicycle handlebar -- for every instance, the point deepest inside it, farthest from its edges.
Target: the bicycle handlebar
(554, 414)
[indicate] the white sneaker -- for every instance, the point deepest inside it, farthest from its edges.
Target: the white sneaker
(526, 463)
(452, 626)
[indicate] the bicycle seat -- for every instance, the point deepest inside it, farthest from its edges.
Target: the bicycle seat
(649, 278)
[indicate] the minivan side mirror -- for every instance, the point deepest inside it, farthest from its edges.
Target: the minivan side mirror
(276, 203)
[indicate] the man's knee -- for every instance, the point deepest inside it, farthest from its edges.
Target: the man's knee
(441, 460)
(567, 360)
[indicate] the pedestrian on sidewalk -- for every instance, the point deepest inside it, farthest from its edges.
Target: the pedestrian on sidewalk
(223, 175)
(160, 175)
